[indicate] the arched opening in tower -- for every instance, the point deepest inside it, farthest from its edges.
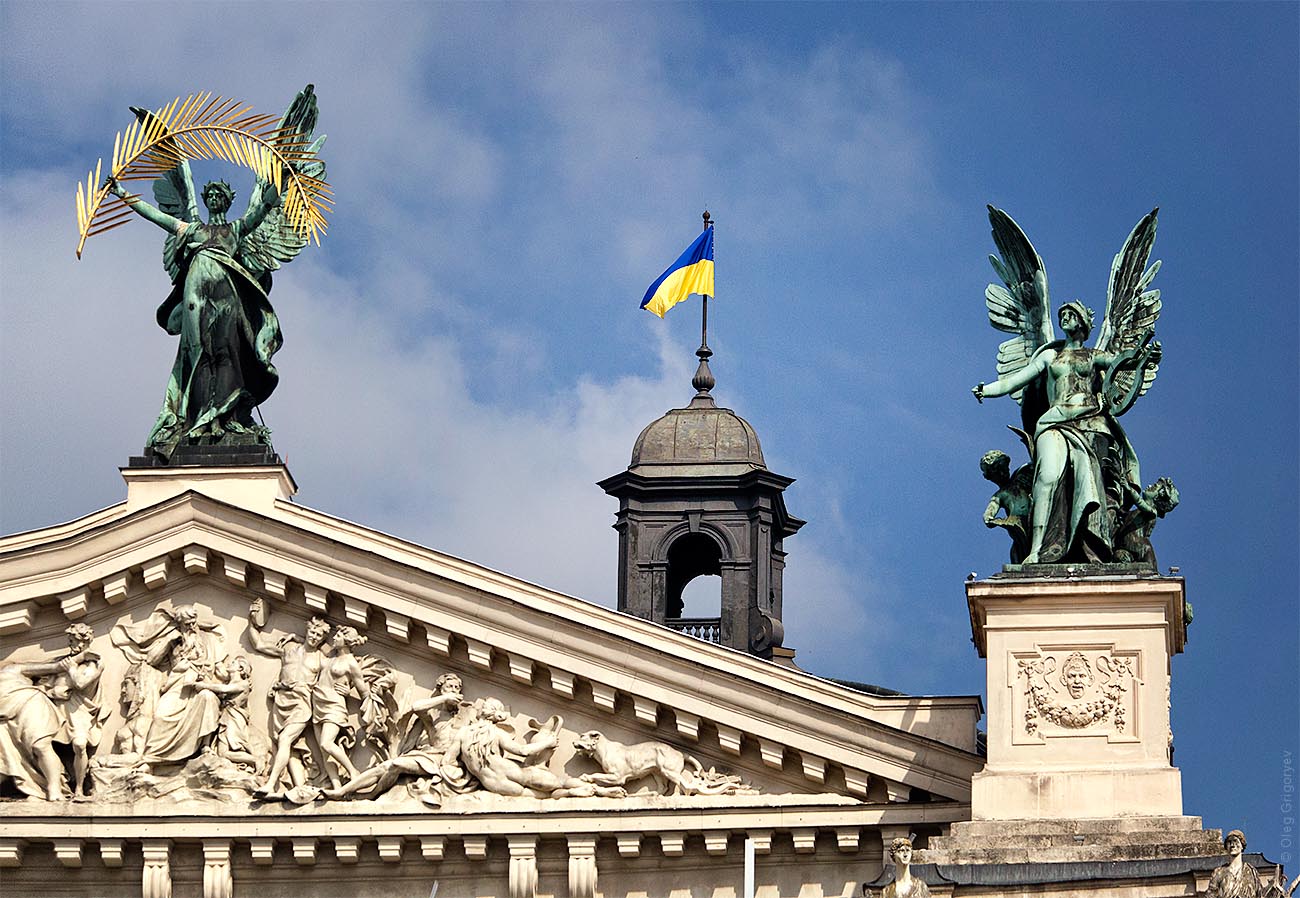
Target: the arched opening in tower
(694, 559)
(702, 598)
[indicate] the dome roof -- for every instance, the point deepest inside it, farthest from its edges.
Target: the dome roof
(700, 434)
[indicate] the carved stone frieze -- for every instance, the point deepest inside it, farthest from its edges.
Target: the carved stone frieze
(200, 719)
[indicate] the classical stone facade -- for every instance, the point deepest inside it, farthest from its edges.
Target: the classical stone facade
(211, 690)
(1078, 690)
(271, 700)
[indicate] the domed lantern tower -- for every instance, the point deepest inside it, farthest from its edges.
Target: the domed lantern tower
(698, 499)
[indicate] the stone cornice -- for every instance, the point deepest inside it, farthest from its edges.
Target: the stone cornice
(24, 821)
(1039, 596)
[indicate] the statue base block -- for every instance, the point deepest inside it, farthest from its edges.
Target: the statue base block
(1078, 694)
(248, 486)
(1078, 569)
(209, 456)
(1075, 793)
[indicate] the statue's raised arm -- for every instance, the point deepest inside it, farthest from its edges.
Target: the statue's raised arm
(220, 269)
(174, 226)
(1087, 497)
(270, 236)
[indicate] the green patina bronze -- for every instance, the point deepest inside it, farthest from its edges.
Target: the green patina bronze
(1080, 499)
(219, 305)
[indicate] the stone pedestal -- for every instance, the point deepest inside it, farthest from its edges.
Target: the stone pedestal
(1078, 694)
(249, 486)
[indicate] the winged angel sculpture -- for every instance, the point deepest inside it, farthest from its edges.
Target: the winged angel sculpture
(1086, 503)
(220, 269)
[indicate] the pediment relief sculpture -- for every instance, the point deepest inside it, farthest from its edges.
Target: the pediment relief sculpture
(44, 703)
(679, 774)
(320, 721)
(539, 652)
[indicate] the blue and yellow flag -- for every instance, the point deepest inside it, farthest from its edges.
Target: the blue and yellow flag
(692, 273)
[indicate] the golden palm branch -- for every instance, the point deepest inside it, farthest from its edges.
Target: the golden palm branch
(204, 127)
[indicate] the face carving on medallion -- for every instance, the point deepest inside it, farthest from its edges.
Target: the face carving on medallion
(1076, 675)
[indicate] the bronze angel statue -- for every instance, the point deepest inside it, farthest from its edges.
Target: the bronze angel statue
(1087, 491)
(221, 269)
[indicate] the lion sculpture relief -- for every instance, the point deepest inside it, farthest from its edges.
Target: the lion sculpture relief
(677, 773)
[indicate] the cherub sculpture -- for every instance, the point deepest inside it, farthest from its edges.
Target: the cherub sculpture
(234, 737)
(221, 276)
(1012, 500)
(1071, 396)
(1133, 536)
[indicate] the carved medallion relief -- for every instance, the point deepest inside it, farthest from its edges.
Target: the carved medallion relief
(1075, 691)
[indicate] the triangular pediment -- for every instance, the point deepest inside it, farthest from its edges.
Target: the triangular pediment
(761, 734)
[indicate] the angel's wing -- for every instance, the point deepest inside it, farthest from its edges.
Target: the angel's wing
(1020, 308)
(1131, 314)
(275, 240)
(174, 194)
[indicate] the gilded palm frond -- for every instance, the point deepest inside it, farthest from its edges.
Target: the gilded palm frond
(207, 127)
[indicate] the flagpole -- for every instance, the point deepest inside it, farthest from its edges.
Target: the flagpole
(703, 380)
(704, 318)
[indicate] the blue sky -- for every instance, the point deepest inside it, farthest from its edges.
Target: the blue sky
(464, 356)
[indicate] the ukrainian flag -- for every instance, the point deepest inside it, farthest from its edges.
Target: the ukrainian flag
(692, 273)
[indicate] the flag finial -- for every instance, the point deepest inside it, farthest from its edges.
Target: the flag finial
(703, 381)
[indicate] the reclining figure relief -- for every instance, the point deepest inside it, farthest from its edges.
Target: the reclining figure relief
(488, 748)
(427, 750)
